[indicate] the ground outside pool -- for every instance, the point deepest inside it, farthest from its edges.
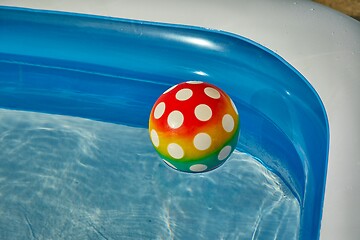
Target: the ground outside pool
(77, 162)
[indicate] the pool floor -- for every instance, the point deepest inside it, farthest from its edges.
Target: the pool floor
(71, 178)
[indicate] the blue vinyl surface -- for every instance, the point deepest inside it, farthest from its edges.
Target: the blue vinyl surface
(113, 70)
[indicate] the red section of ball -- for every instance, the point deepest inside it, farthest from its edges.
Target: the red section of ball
(195, 108)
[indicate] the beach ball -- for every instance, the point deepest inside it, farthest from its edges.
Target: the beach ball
(194, 126)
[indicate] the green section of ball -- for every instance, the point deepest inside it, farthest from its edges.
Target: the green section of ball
(204, 164)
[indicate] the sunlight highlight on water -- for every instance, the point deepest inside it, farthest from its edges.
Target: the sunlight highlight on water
(72, 178)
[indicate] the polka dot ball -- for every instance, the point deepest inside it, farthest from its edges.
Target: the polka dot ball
(194, 126)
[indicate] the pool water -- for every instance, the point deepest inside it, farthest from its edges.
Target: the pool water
(63, 177)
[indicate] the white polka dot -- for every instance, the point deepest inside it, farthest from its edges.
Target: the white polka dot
(155, 138)
(202, 141)
(184, 94)
(212, 92)
(159, 110)
(169, 164)
(234, 107)
(224, 153)
(228, 123)
(194, 82)
(198, 167)
(175, 119)
(175, 150)
(169, 89)
(203, 112)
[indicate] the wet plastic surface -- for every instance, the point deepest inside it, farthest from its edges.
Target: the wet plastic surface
(114, 69)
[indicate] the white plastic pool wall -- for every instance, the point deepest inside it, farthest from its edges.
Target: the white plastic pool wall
(322, 44)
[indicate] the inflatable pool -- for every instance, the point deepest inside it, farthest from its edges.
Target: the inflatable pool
(298, 109)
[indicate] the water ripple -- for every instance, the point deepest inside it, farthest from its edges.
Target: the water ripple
(71, 178)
